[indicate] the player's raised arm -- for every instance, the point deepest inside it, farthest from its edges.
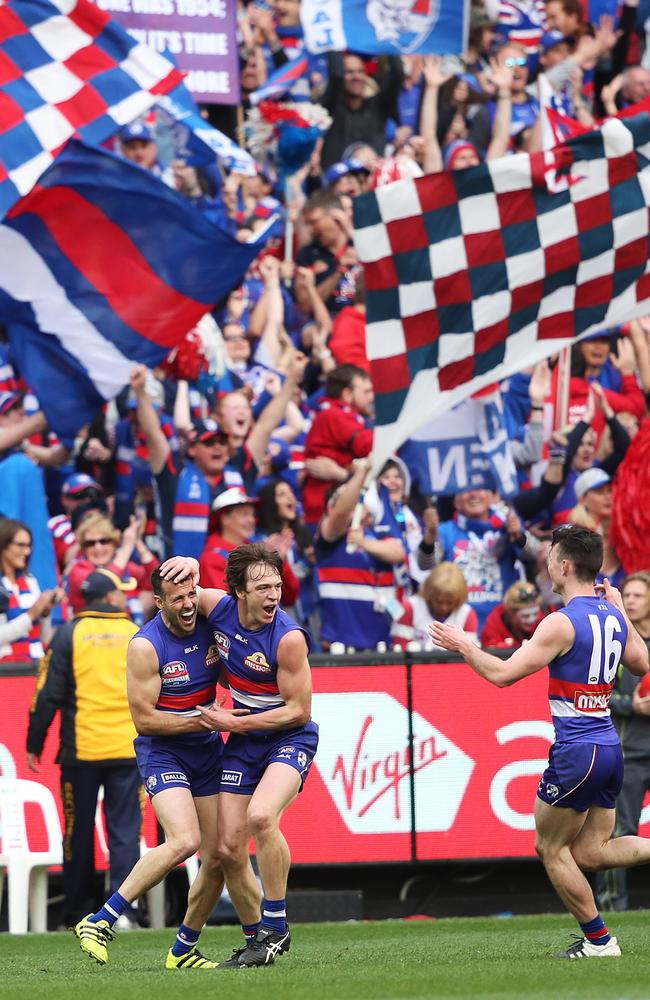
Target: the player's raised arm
(554, 635)
(143, 685)
(179, 568)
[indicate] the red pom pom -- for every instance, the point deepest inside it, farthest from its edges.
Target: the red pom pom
(188, 360)
(630, 525)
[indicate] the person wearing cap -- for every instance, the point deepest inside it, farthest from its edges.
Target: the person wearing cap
(347, 177)
(186, 491)
(233, 523)
(138, 145)
(515, 620)
(78, 491)
(83, 677)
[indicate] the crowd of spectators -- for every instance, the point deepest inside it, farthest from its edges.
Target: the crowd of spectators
(272, 440)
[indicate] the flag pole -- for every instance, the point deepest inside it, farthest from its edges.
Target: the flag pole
(561, 408)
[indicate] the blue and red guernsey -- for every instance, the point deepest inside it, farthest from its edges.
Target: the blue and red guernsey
(581, 681)
(189, 666)
(251, 656)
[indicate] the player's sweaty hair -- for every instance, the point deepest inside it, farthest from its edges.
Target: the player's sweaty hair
(242, 558)
(582, 547)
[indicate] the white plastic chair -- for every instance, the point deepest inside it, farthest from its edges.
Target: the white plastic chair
(26, 869)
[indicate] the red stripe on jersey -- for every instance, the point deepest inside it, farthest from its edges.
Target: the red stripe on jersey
(566, 689)
(247, 686)
(184, 701)
(343, 574)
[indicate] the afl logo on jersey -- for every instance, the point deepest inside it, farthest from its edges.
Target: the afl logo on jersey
(257, 662)
(223, 644)
(174, 673)
(212, 656)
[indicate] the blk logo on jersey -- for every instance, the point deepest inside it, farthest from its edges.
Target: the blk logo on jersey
(258, 663)
(212, 656)
(364, 760)
(223, 644)
(174, 673)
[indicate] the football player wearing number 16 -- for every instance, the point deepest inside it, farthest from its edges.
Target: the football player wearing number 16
(583, 644)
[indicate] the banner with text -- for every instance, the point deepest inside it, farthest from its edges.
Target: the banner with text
(200, 34)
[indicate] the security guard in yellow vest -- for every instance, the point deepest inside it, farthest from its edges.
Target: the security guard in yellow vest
(83, 675)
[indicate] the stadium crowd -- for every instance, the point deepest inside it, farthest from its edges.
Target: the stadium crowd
(260, 425)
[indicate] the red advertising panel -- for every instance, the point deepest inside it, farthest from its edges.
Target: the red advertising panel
(15, 698)
(478, 752)
(355, 805)
(486, 749)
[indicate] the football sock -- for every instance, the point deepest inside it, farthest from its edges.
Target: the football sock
(186, 938)
(250, 930)
(111, 910)
(596, 931)
(274, 915)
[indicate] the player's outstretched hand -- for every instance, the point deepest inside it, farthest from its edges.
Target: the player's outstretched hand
(180, 568)
(450, 637)
(220, 720)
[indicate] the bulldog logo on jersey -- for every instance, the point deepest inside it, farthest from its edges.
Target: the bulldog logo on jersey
(258, 663)
(212, 656)
(174, 673)
(403, 23)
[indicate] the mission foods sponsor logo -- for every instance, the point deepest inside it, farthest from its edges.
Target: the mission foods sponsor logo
(212, 656)
(174, 673)
(586, 702)
(364, 759)
(257, 662)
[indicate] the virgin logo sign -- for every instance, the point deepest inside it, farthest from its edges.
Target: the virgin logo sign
(364, 760)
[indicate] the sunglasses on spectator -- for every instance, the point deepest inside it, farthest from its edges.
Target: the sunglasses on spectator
(89, 542)
(516, 61)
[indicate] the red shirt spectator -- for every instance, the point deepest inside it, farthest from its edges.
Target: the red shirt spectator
(511, 623)
(338, 432)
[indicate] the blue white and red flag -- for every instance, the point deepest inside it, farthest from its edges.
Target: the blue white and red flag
(282, 80)
(105, 266)
(472, 275)
(66, 69)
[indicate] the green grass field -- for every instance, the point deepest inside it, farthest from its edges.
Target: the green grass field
(388, 960)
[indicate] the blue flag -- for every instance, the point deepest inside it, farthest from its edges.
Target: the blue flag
(105, 266)
(195, 140)
(466, 448)
(388, 27)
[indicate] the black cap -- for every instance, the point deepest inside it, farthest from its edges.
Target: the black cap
(104, 581)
